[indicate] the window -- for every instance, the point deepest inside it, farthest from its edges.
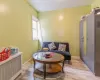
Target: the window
(35, 29)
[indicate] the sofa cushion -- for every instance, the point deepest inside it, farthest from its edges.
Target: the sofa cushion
(51, 46)
(63, 53)
(45, 44)
(62, 47)
(66, 55)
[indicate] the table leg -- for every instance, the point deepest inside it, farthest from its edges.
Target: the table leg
(50, 66)
(63, 66)
(34, 64)
(44, 68)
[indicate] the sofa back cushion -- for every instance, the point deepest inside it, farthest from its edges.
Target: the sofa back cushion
(45, 45)
(52, 46)
(62, 47)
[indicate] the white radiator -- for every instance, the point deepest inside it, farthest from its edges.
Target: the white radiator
(11, 68)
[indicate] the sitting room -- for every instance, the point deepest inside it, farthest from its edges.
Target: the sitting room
(49, 39)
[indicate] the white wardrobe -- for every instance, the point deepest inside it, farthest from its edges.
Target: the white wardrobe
(90, 40)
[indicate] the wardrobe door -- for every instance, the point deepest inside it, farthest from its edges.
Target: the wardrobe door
(81, 40)
(97, 49)
(90, 41)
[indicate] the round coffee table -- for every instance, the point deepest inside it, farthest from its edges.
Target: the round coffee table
(50, 65)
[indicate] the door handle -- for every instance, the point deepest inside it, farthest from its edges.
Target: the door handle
(82, 38)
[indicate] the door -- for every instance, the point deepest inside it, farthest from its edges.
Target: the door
(87, 40)
(83, 39)
(91, 41)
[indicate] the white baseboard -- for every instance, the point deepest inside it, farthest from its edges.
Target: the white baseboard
(14, 77)
(27, 62)
(75, 57)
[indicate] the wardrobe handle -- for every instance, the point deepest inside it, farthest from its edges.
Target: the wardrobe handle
(82, 38)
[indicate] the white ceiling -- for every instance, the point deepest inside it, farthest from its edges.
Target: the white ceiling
(49, 5)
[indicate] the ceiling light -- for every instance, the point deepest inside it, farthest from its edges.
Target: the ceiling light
(61, 17)
(3, 8)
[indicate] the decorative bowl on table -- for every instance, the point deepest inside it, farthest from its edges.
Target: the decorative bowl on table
(48, 55)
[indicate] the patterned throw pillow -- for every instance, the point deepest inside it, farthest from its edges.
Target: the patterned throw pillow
(62, 47)
(51, 46)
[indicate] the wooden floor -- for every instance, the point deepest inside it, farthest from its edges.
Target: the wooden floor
(77, 71)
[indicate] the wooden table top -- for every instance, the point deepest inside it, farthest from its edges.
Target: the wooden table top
(40, 57)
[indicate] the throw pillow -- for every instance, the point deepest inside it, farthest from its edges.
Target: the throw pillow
(51, 46)
(62, 47)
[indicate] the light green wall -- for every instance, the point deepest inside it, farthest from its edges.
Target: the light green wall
(85, 36)
(66, 30)
(16, 26)
(96, 3)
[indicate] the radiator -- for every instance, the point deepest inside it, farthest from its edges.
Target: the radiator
(11, 68)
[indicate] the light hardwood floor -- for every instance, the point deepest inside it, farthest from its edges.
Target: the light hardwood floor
(77, 71)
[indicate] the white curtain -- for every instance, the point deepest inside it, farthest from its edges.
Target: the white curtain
(40, 35)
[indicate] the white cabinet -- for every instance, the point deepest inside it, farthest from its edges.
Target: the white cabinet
(11, 68)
